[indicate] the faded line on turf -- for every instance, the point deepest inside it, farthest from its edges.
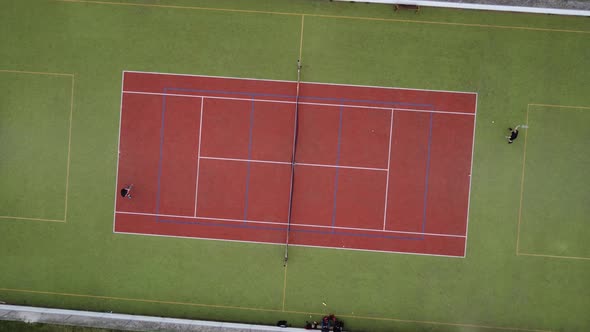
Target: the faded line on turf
(522, 182)
(35, 219)
(554, 256)
(34, 72)
(333, 16)
(452, 24)
(69, 150)
(137, 300)
(561, 106)
(272, 310)
(285, 287)
(301, 38)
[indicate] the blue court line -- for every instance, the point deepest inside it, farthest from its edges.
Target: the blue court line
(336, 173)
(427, 173)
(253, 94)
(284, 229)
(161, 152)
(249, 158)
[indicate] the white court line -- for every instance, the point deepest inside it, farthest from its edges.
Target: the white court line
(286, 81)
(296, 164)
(201, 217)
(118, 151)
(293, 102)
(282, 244)
(285, 223)
(247, 160)
(388, 167)
(199, 155)
(470, 176)
(342, 166)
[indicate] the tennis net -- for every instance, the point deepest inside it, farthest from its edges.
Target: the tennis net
(294, 150)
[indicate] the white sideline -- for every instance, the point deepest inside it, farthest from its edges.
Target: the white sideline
(294, 82)
(118, 153)
(285, 223)
(470, 176)
(477, 6)
(388, 167)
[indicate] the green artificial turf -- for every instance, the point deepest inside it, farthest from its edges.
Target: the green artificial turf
(34, 128)
(555, 205)
(82, 264)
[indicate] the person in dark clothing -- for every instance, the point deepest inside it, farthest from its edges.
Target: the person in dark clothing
(513, 134)
(126, 191)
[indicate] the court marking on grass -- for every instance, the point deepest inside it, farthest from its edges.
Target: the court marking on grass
(301, 38)
(190, 217)
(376, 318)
(198, 153)
(284, 287)
(327, 16)
(518, 252)
(67, 184)
(388, 167)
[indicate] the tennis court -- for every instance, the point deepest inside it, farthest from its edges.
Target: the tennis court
(382, 171)
(378, 169)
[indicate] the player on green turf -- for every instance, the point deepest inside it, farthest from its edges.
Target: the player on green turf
(513, 134)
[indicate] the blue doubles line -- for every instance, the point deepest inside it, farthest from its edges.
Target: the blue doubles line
(337, 168)
(427, 173)
(163, 117)
(251, 94)
(282, 229)
(249, 158)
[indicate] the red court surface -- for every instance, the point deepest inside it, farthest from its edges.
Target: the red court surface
(378, 169)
